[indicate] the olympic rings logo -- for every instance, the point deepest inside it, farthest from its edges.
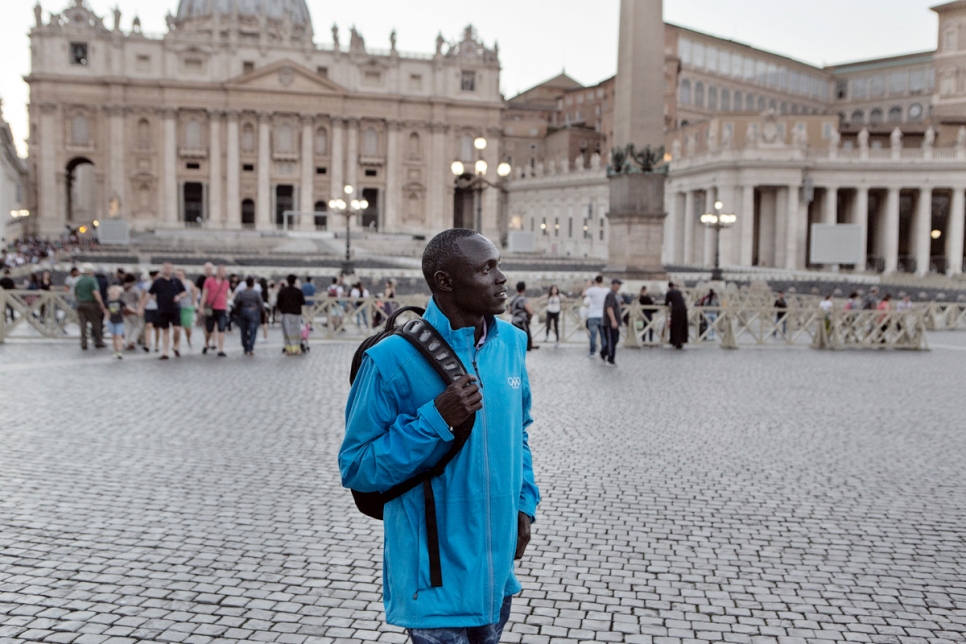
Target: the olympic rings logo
(514, 382)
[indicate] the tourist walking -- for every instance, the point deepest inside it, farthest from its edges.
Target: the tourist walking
(308, 290)
(871, 301)
(207, 271)
(647, 312)
(781, 314)
(273, 290)
(554, 306)
(44, 284)
(709, 315)
(612, 322)
(291, 302)
(335, 311)
(7, 284)
(69, 283)
(168, 292)
(149, 311)
(521, 312)
(400, 419)
(678, 324)
(187, 305)
(214, 303)
(90, 308)
(360, 295)
(248, 303)
(595, 295)
(263, 286)
(130, 301)
(115, 320)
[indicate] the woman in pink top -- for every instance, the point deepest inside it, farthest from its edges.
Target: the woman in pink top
(214, 300)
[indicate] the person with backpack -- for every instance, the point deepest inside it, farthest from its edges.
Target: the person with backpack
(451, 541)
(521, 313)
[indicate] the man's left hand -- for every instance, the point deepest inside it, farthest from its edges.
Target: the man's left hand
(523, 534)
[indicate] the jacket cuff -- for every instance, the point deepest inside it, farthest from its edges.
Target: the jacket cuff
(529, 508)
(431, 414)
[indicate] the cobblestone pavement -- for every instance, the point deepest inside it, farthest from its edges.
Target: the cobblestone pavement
(763, 496)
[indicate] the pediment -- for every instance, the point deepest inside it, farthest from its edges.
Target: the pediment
(286, 76)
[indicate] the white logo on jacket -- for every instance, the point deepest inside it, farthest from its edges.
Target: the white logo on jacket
(514, 382)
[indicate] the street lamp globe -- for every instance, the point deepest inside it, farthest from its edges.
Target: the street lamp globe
(355, 204)
(503, 169)
(718, 205)
(481, 167)
(457, 168)
(364, 204)
(709, 219)
(479, 143)
(349, 190)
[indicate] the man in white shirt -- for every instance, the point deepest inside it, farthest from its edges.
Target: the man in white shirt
(594, 296)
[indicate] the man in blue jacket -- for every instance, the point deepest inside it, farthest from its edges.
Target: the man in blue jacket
(399, 421)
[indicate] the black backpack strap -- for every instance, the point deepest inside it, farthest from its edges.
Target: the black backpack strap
(447, 364)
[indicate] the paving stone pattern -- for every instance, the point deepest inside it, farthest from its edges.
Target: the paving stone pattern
(760, 496)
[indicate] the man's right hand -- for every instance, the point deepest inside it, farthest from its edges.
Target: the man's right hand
(460, 401)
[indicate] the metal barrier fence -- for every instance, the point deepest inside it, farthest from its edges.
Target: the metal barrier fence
(51, 314)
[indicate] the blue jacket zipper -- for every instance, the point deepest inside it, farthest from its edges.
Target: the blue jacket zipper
(486, 471)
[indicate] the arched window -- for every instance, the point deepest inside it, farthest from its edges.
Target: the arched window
(414, 209)
(283, 139)
(144, 134)
(370, 143)
(321, 142)
(895, 114)
(739, 104)
(761, 103)
(684, 95)
(248, 138)
(192, 135)
(712, 97)
(248, 213)
(725, 100)
(773, 105)
(414, 146)
(144, 196)
(79, 130)
(750, 103)
(858, 117)
(466, 147)
(699, 94)
(784, 108)
(875, 117)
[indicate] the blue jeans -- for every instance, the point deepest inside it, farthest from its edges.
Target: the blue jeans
(248, 320)
(594, 325)
(489, 634)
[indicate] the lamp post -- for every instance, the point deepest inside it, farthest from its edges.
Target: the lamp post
(477, 181)
(718, 220)
(350, 208)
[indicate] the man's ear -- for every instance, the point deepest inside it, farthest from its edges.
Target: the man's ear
(444, 283)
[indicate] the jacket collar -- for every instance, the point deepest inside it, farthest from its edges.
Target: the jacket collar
(457, 338)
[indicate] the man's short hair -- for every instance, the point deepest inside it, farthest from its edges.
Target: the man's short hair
(521, 287)
(291, 279)
(599, 279)
(130, 277)
(441, 251)
(308, 279)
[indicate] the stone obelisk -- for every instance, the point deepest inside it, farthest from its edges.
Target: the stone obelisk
(637, 200)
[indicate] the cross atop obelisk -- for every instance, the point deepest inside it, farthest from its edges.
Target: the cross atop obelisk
(639, 95)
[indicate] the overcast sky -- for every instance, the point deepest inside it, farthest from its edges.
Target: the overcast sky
(536, 44)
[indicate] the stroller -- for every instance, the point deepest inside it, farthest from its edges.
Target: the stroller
(304, 342)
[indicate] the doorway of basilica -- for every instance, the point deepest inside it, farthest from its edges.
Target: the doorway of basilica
(81, 191)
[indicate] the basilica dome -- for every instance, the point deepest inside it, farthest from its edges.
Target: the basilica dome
(295, 10)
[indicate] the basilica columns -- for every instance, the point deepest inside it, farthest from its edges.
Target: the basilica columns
(233, 183)
(922, 229)
(860, 217)
(49, 192)
(688, 223)
(306, 189)
(709, 246)
(216, 212)
(891, 236)
(955, 231)
(438, 176)
(263, 205)
(393, 198)
(338, 159)
(830, 206)
(352, 162)
(117, 172)
(795, 225)
(746, 221)
(169, 187)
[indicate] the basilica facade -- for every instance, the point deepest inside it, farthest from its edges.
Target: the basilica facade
(235, 118)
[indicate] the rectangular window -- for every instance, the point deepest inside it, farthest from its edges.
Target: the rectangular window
(737, 65)
(142, 63)
(684, 51)
(580, 99)
(556, 227)
(724, 63)
(248, 167)
(601, 229)
(860, 87)
(841, 89)
(761, 72)
(193, 166)
(372, 173)
(248, 67)
(322, 71)
(468, 81)
(698, 54)
(415, 82)
(711, 59)
(783, 78)
(78, 53)
(772, 75)
(543, 227)
(570, 228)
(899, 82)
(321, 170)
(372, 77)
(877, 85)
(917, 81)
(749, 69)
(194, 65)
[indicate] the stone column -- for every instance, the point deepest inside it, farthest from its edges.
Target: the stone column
(352, 154)
(306, 189)
(233, 211)
(709, 198)
(860, 217)
(169, 187)
(673, 225)
(830, 214)
(729, 196)
(116, 163)
(746, 219)
(216, 208)
(639, 85)
(688, 224)
(955, 231)
(390, 221)
(923, 228)
(337, 171)
(891, 229)
(50, 218)
(263, 203)
(794, 228)
(438, 175)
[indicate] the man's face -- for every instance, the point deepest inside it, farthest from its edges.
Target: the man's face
(479, 286)
(222, 271)
(209, 269)
(615, 287)
(166, 271)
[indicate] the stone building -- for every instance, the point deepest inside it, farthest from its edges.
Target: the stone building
(13, 179)
(782, 144)
(236, 115)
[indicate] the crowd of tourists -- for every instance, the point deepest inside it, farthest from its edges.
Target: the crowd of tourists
(35, 251)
